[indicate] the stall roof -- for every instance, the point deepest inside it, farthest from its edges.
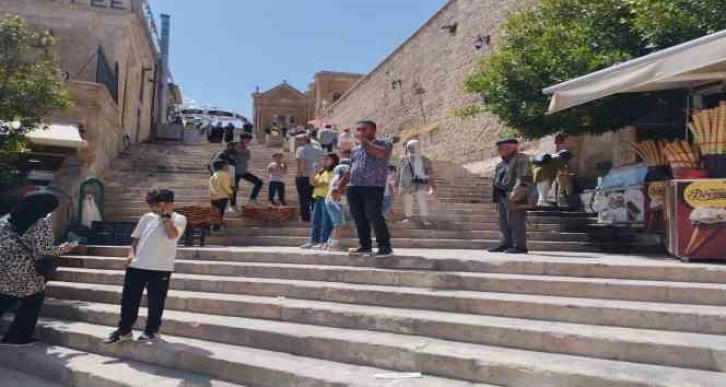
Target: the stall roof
(58, 134)
(686, 66)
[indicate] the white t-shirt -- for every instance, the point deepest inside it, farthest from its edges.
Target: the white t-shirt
(155, 250)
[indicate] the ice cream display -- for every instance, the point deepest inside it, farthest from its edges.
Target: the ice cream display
(708, 222)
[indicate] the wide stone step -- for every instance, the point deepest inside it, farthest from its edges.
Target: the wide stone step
(491, 233)
(616, 289)
(485, 216)
(629, 314)
(404, 353)
(544, 244)
(626, 344)
(69, 367)
(588, 265)
(235, 364)
(13, 378)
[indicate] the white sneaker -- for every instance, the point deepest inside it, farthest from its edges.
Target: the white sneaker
(307, 246)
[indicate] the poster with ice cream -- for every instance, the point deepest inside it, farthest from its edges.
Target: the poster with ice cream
(697, 219)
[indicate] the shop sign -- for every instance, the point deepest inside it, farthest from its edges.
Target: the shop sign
(706, 194)
(656, 190)
(119, 5)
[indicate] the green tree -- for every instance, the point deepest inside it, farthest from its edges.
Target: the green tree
(30, 88)
(557, 40)
(665, 23)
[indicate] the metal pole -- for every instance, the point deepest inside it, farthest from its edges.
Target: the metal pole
(164, 79)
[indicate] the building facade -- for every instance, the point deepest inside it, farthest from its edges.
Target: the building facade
(108, 59)
(287, 107)
(283, 105)
(327, 88)
(415, 91)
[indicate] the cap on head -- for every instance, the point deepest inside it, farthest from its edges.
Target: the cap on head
(508, 141)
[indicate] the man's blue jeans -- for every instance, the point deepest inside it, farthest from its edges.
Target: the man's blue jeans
(321, 225)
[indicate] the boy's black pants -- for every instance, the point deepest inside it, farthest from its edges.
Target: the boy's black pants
(157, 285)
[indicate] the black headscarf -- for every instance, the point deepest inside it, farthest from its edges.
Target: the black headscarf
(32, 208)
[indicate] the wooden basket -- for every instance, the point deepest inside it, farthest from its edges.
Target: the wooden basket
(200, 216)
(269, 213)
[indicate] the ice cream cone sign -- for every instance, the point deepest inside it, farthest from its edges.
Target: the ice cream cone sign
(708, 200)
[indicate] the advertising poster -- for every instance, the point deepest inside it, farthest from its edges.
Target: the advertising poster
(697, 218)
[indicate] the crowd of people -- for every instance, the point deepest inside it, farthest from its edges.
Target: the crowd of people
(354, 177)
(338, 177)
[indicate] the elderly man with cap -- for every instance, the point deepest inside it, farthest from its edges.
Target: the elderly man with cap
(307, 158)
(512, 181)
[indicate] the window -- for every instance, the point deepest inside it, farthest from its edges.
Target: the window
(292, 120)
(279, 119)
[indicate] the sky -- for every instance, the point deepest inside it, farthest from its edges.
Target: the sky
(221, 50)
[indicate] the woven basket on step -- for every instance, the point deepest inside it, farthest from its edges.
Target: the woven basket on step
(200, 216)
(269, 213)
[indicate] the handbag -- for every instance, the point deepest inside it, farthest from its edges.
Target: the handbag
(45, 265)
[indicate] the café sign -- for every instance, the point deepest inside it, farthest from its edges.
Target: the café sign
(119, 5)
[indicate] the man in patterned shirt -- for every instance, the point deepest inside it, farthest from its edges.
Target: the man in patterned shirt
(366, 182)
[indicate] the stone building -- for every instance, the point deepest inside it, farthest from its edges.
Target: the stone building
(327, 88)
(287, 106)
(283, 105)
(416, 89)
(109, 60)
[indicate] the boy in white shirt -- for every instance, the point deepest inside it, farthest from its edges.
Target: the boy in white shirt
(149, 265)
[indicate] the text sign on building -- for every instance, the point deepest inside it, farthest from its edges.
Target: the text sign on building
(119, 5)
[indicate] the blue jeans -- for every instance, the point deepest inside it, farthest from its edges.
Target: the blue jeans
(321, 225)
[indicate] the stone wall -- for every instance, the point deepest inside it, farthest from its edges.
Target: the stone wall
(80, 28)
(416, 89)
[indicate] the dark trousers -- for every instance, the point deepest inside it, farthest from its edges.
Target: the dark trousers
(512, 225)
(305, 195)
(277, 188)
(221, 206)
(366, 206)
(328, 148)
(26, 316)
(256, 181)
(157, 285)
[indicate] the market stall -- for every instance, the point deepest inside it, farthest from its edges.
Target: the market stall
(684, 188)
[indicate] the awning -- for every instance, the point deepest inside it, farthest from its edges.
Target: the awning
(686, 66)
(63, 135)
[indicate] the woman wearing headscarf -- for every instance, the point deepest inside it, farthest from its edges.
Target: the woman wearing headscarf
(415, 181)
(25, 234)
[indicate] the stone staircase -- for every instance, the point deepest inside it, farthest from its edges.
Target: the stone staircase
(278, 317)
(461, 215)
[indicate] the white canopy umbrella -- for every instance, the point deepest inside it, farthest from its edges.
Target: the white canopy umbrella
(686, 66)
(64, 135)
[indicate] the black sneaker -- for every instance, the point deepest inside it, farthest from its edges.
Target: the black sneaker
(117, 337)
(361, 251)
(499, 249)
(516, 250)
(146, 336)
(384, 252)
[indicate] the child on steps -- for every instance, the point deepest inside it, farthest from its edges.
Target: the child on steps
(335, 209)
(277, 171)
(220, 189)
